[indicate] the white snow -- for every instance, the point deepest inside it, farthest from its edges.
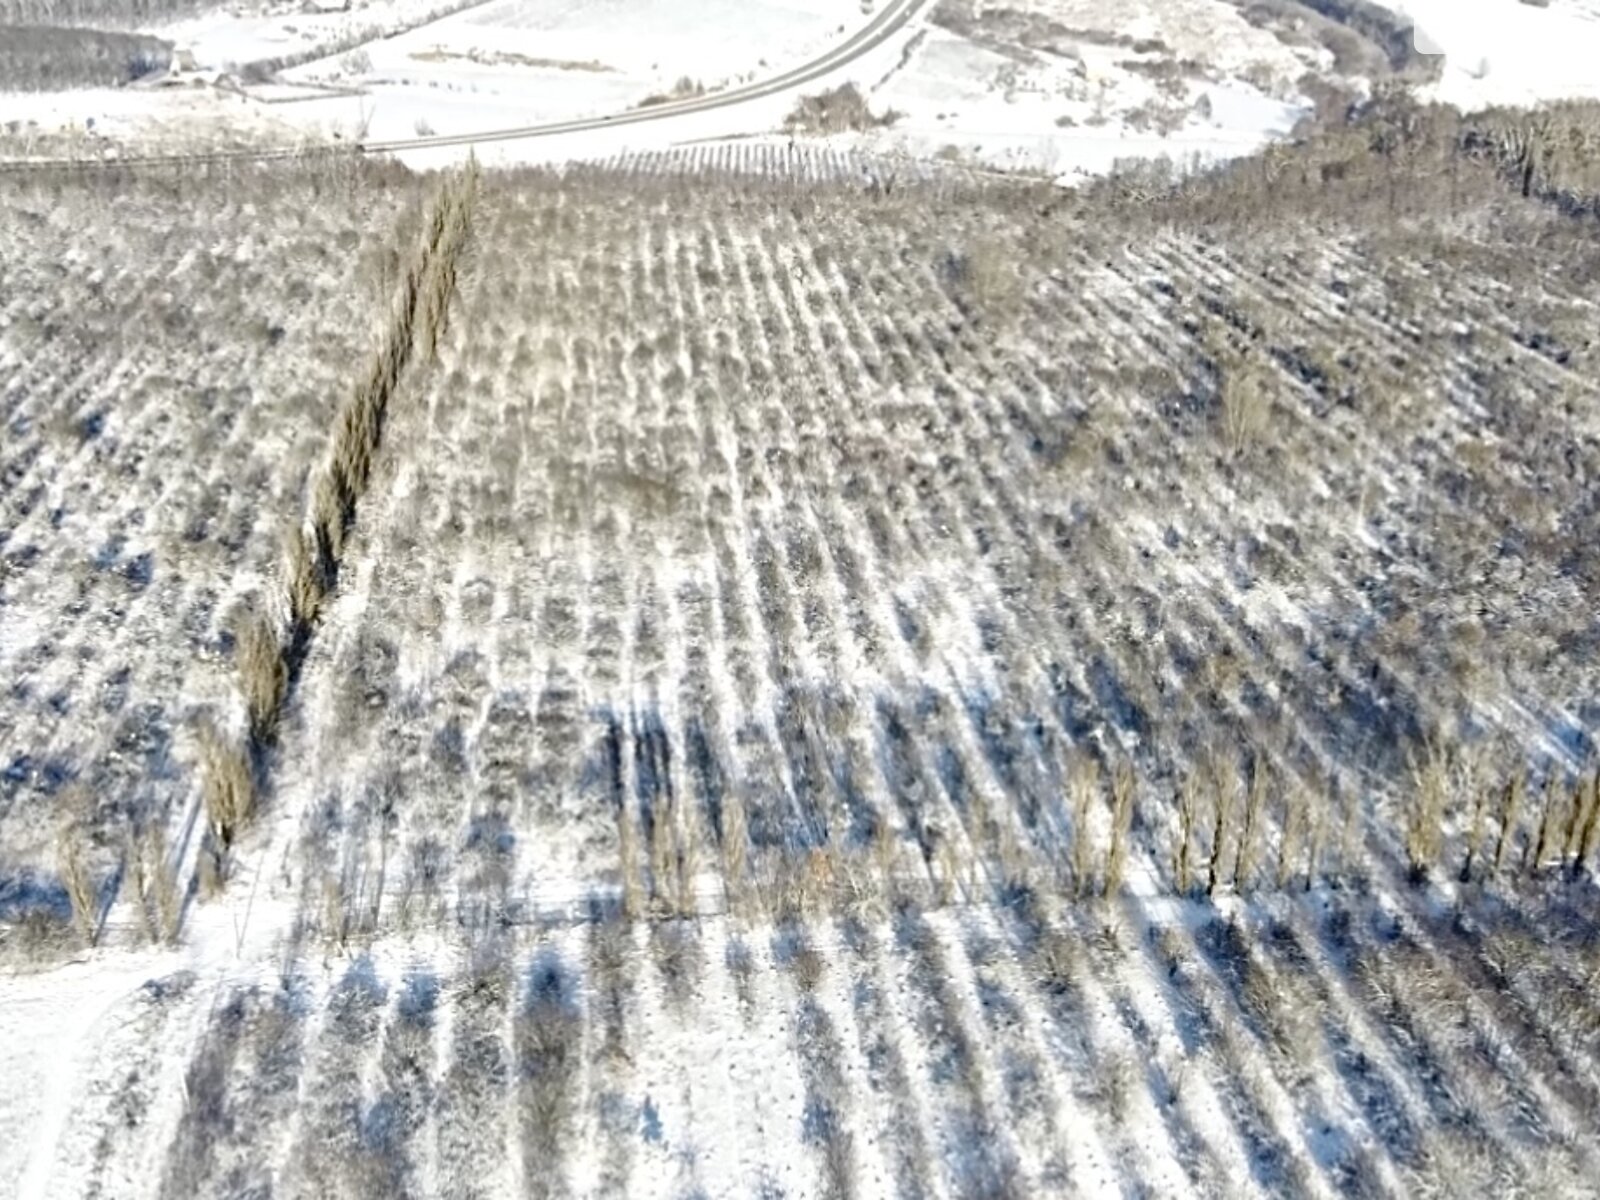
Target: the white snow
(1508, 51)
(50, 1026)
(510, 64)
(1069, 110)
(1070, 120)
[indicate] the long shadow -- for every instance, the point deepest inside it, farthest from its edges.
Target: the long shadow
(1410, 1044)
(1200, 1029)
(1372, 1092)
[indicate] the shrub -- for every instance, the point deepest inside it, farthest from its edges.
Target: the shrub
(1430, 785)
(1245, 403)
(76, 880)
(842, 110)
(1083, 785)
(1122, 789)
(1255, 810)
(1510, 816)
(988, 280)
(227, 784)
(263, 676)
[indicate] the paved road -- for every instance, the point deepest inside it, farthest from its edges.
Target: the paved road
(894, 16)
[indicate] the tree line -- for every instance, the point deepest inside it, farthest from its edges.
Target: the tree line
(102, 14)
(36, 58)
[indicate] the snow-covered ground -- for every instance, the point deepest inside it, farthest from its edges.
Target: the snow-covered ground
(489, 67)
(1510, 51)
(92, 122)
(1062, 87)
(228, 37)
(566, 59)
(512, 63)
(823, 541)
(1075, 114)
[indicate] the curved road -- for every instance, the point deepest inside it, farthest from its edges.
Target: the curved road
(896, 14)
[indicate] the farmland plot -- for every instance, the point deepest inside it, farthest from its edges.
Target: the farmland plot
(836, 600)
(856, 541)
(164, 385)
(835, 691)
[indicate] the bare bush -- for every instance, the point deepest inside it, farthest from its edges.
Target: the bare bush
(1247, 861)
(663, 859)
(988, 279)
(1122, 791)
(842, 110)
(1188, 810)
(1551, 818)
(735, 849)
(134, 858)
(1083, 786)
(263, 676)
(1586, 826)
(1430, 788)
(160, 873)
(1510, 818)
(1246, 405)
(305, 580)
(548, 1031)
(948, 869)
(75, 878)
(227, 784)
(1294, 832)
(154, 880)
(686, 88)
(628, 860)
(1479, 795)
(1224, 798)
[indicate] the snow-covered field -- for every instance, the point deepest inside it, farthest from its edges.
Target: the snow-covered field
(1075, 113)
(777, 615)
(525, 64)
(1057, 87)
(134, 348)
(488, 66)
(847, 676)
(962, 1052)
(1508, 51)
(509, 63)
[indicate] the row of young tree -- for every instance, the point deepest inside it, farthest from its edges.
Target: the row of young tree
(36, 58)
